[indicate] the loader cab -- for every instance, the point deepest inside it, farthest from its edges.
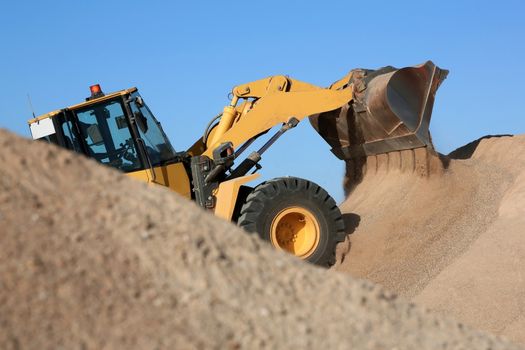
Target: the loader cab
(117, 130)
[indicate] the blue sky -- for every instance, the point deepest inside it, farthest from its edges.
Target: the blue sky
(186, 56)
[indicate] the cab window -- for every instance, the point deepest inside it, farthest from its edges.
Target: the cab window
(70, 139)
(106, 134)
(157, 144)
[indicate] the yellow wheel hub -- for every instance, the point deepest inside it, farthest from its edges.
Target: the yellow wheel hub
(296, 231)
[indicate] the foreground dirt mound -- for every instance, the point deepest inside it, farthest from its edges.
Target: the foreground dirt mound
(452, 240)
(91, 259)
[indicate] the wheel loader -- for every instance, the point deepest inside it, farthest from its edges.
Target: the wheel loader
(367, 112)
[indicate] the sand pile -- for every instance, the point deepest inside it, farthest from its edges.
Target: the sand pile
(453, 240)
(90, 259)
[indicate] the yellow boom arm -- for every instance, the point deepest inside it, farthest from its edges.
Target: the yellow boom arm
(368, 112)
(267, 103)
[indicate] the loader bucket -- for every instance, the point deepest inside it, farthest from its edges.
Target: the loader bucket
(390, 111)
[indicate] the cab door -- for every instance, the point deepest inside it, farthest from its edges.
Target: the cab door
(167, 169)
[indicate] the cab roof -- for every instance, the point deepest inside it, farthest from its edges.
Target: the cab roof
(84, 104)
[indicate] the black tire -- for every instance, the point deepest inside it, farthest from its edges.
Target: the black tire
(269, 200)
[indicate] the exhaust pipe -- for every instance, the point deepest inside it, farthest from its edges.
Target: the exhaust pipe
(390, 111)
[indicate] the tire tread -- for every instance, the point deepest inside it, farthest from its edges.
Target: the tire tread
(270, 190)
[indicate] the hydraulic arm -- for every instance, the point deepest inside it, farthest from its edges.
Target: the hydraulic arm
(270, 102)
(367, 112)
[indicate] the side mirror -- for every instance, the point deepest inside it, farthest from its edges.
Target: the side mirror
(142, 122)
(94, 134)
(139, 101)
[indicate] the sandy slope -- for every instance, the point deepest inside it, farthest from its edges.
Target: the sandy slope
(90, 259)
(454, 240)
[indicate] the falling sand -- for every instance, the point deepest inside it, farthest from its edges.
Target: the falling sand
(449, 235)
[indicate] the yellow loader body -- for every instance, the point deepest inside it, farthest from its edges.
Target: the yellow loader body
(366, 112)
